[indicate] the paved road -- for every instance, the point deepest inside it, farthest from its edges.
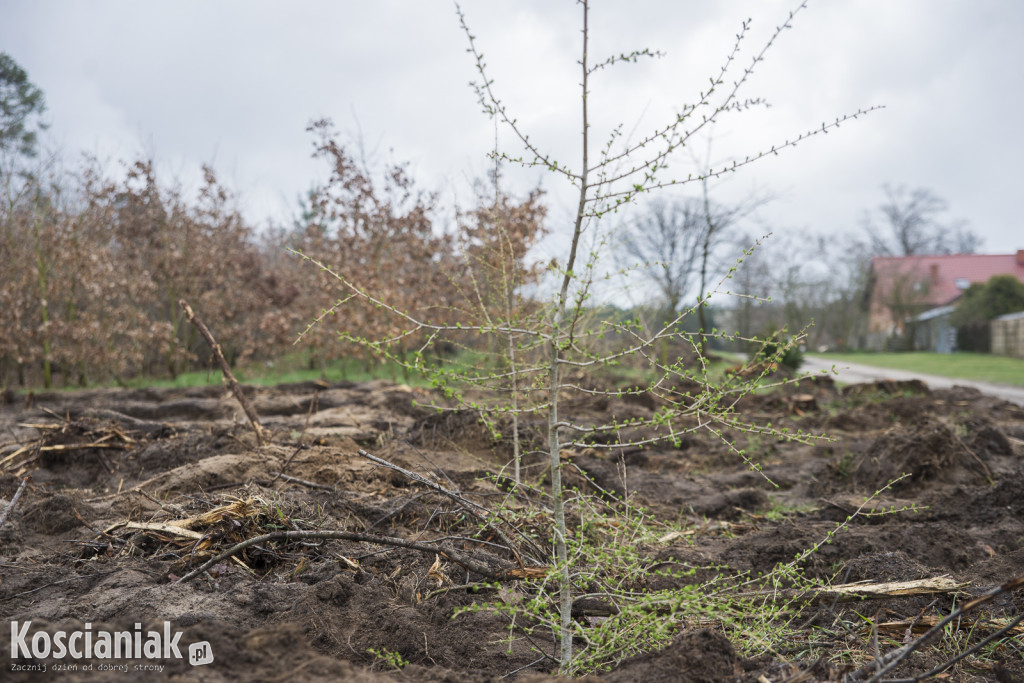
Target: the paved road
(855, 372)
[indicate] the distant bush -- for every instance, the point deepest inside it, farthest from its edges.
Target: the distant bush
(981, 302)
(787, 354)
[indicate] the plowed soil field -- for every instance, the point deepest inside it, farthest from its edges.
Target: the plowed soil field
(130, 490)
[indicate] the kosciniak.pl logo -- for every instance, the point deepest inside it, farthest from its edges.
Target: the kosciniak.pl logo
(87, 643)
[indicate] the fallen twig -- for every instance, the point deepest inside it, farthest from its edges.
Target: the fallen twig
(489, 570)
(862, 590)
(147, 427)
(37, 447)
(8, 458)
(872, 591)
(85, 522)
(879, 666)
(164, 528)
(311, 484)
(135, 489)
(527, 666)
(14, 500)
(966, 653)
(68, 580)
(988, 472)
(920, 624)
(477, 510)
(420, 479)
(254, 420)
(287, 462)
(849, 592)
(77, 446)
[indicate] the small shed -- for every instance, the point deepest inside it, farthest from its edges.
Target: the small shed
(1008, 335)
(932, 331)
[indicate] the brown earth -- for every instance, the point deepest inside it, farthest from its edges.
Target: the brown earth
(314, 609)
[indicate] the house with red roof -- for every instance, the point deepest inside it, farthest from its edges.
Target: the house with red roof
(912, 296)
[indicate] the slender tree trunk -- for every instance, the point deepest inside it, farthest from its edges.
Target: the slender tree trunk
(516, 453)
(509, 284)
(554, 446)
(558, 503)
(709, 233)
(42, 280)
(169, 360)
(700, 307)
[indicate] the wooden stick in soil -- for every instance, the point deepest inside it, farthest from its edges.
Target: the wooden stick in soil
(254, 420)
(14, 500)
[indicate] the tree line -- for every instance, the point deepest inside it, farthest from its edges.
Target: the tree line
(793, 277)
(94, 262)
(94, 267)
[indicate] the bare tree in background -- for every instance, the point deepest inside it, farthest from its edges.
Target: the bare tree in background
(816, 283)
(911, 223)
(679, 241)
(827, 280)
(755, 287)
(668, 240)
(717, 222)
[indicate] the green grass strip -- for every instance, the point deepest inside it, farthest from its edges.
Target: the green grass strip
(981, 367)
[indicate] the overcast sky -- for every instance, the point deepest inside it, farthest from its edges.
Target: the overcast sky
(234, 83)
